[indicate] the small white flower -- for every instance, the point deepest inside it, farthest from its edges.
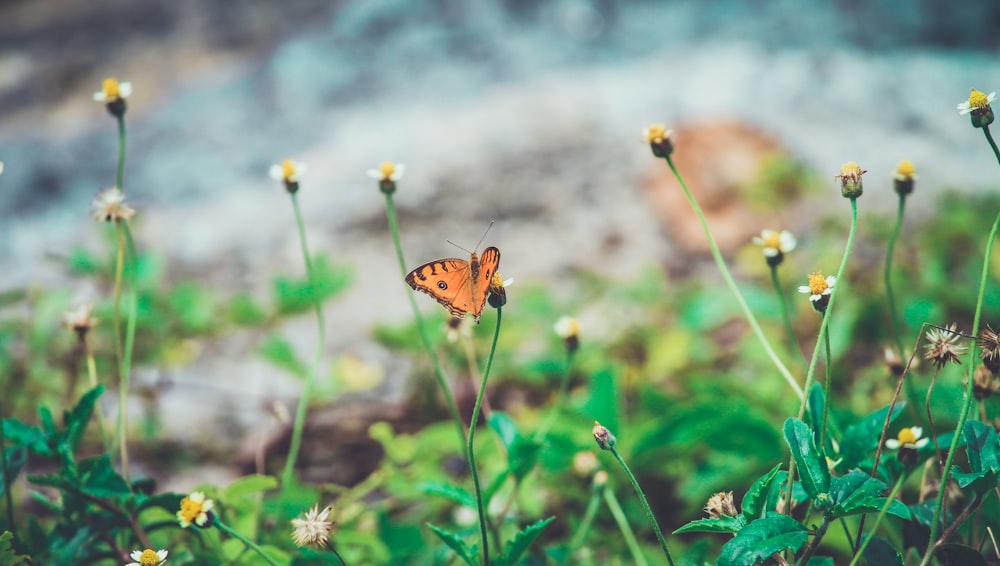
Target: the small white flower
(566, 327)
(314, 529)
(818, 286)
(148, 557)
(976, 101)
(194, 510)
(109, 206)
(112, 90)
(287, 171)
(907, 438)
(388, 171)
(775, 242)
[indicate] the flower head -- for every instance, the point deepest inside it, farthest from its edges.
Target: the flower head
(978, 105)
(721, 504)
(113, 95)
(894, 362)
(585, 463)
(195, 509)
(109, 206)
(850, 180)
(289, 172)
(498, 290)
(603, 436)
(387, 174)
(819, 289)
(658, 138)
(984, 383)
(80, 320)
(989, 348)
(943, 347)
(568, 328)
(314, 529)
(907, 438)
(775, 245)
(148, 557)
(904, 177)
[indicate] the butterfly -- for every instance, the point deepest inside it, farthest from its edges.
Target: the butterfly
(461, 286)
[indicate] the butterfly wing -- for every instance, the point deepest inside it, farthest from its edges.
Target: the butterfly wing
(481, 278)
(449, 281)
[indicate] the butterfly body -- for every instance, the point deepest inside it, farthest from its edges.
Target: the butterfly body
(460, 286)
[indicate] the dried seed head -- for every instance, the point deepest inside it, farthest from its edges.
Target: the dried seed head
(721, 504)
(989, 348)
(943, 347)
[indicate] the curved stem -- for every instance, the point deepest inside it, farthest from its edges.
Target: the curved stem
(471, 450)
(390, 212)
(968, 397)
(580, 536)
(993, 145)
(624, 527)
(330, 547)
(126, 363)
(887, 274)
(249, 543)
(721, 263)
(645, 505)
(288, 473)
(817, 537)
(878, 519)
(793, 343)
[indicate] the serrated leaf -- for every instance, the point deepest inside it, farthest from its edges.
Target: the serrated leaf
(279, 352)
(763, 538)
(860, 439)
(984, 461)
(298, 295)
(449, 491)
(77, 418)
(755, 499)
(7, 555)
(953, 553)
(33, 438)
(812, 468)
(723, 524)
(248, 485)
(880, 552)
(857, 493)
(99, 479)
(521, 541)
(456, 544)
(522, 452)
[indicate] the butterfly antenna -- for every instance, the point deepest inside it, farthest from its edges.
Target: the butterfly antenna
(492, 222)
(458, 246)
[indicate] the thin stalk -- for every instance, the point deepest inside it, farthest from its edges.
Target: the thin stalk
(6, 477)
(993, 145)
(120, 170)
(930, 421)
(793, 343)
(721, 263)
(92, 378)
(390, 211)
(125, 370)
(288, 474)
(826, 390)
(580, 536)
(878, 520)
(887, 274)
(847, 534)
(968, 398)
(560, 399)
(817, 537)
(624, 527)
(972, 506)
(249, 543)
(471, 450)
(645, 504)
(329, 546)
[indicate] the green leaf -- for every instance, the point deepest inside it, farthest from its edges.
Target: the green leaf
(522, 451)
(450, 491)
(857, 492)
(456, 544)
(984, 460)
(7, 555)
(279, 352)
(763, 538)
(245, 311)
(194, 308)
(813, 470)
(99, 479)
(21, 434)
(723, 524)
(755, 499)
(78, 417)
(520, 543)
(820, 561)
(298, 295)
(954, 553)
(248, 485)
(16, 457)
(880, 552)
(603, 403)
(817, 402)
(860, 439)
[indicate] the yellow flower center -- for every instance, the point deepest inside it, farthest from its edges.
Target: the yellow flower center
(656, 133)
(773, 241)
(906, 436)
(978, 99)
(387, 168)
(149, 558)
(287, 169)
(817, 283)
(110, 88)
(190, 509)
(905, 169)
(497, 282)
(850, 169)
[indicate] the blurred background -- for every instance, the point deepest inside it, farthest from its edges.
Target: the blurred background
(521, 112)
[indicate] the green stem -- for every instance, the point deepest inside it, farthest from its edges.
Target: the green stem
(249, 543)
(968, 398)
(793, 343)
(288, 474)
(390, 211)
(471, 450)
(580, 536)
(826, 391)
(624, 527)
(878, 520)
(92, 378)
(6, 477)
(847, 534)
(887, 274)
(560, 400)
(814, 544)
(120, 171)
(125, 370)
(329, 546)
(645, 505)
(721, 263)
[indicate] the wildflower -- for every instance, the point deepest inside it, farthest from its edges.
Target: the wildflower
(498, 291)
(893, 362)
(721, 504)
(850, 180)
(943, 347)
(387, 174)
(907, 442)
(984, 383)
(568, 328)
(775, 245)
(832, 464)
(903, 177)
(195, 509)
(978, 105)
(113, 95)
(603, 436)
(989, 344)
(148, 557)
(109, 206)
(314, 529)
(288, 172)
(585, 463)
(819, 289)
(80, 320)
(600, 479)
(658, 138)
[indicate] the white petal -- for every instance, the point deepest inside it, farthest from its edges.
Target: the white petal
(805, 289)
(788, 241)
(917, 431)
(831, 281)
(277, 172)
(162, 554)
(770, 252)
(398, 173)
(1, 167)
(815, 298)
(375, 174)
(765, 234)
(99, 96)
(136, 554)
(758, 240)
(124, 89)
(921, 443)
(892, 444)
(508, 282)
(991, 97)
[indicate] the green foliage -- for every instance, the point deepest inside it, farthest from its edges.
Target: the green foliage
(293, 296)
(760, 539)
(810, 461)
(983, 450)
(7, 555)
(455, 543)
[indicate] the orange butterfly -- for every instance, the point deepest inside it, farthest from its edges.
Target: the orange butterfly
(461, 286)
